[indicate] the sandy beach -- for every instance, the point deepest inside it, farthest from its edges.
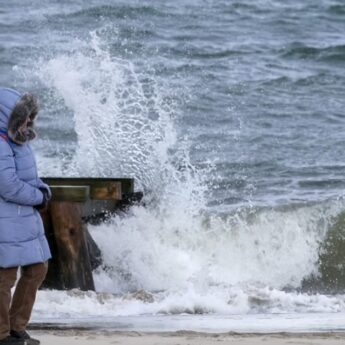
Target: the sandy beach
(75, 337)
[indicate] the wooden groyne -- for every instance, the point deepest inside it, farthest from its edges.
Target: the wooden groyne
(76, 202)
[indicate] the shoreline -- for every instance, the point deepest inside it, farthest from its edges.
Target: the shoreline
(66, 329)
(318, 323)
(79, 337)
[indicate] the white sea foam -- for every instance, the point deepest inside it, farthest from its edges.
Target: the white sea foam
(74, 305)
(151, 251)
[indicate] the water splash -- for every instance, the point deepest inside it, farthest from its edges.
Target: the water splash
(237, 265)
(175, 247)
(124, 126)
(170, 252)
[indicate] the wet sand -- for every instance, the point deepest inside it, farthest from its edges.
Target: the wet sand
(76, 337)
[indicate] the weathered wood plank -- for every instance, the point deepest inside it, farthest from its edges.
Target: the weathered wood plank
(70, 193)
(127, 184)
(106, 191)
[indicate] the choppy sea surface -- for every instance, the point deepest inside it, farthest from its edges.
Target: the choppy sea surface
(230, 116)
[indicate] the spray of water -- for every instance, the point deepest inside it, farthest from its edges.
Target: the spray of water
(173, 247)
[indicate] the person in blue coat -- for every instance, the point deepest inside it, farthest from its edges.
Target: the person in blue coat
(22, 194)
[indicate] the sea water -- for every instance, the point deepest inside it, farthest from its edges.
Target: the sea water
(229, 115)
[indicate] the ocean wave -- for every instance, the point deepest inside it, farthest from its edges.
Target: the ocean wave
(111, 11)
(204, 53)
(278, 247)
(336, 9)
(322, 183)
(334, 53)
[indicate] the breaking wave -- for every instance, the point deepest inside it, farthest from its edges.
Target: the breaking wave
(186, 257)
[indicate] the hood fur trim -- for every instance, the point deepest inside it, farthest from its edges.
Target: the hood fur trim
(25, 109)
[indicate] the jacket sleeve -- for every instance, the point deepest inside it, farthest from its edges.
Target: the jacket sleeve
(13, 189)
(43, 185)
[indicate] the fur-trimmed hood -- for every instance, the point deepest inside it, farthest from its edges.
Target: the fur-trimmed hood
(16, 110)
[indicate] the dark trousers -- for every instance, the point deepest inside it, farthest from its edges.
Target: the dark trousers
(15, 312)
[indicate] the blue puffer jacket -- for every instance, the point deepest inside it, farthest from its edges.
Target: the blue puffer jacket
(22, 239)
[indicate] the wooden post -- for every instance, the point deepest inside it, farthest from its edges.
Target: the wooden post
(73, 256)
(74, 252)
